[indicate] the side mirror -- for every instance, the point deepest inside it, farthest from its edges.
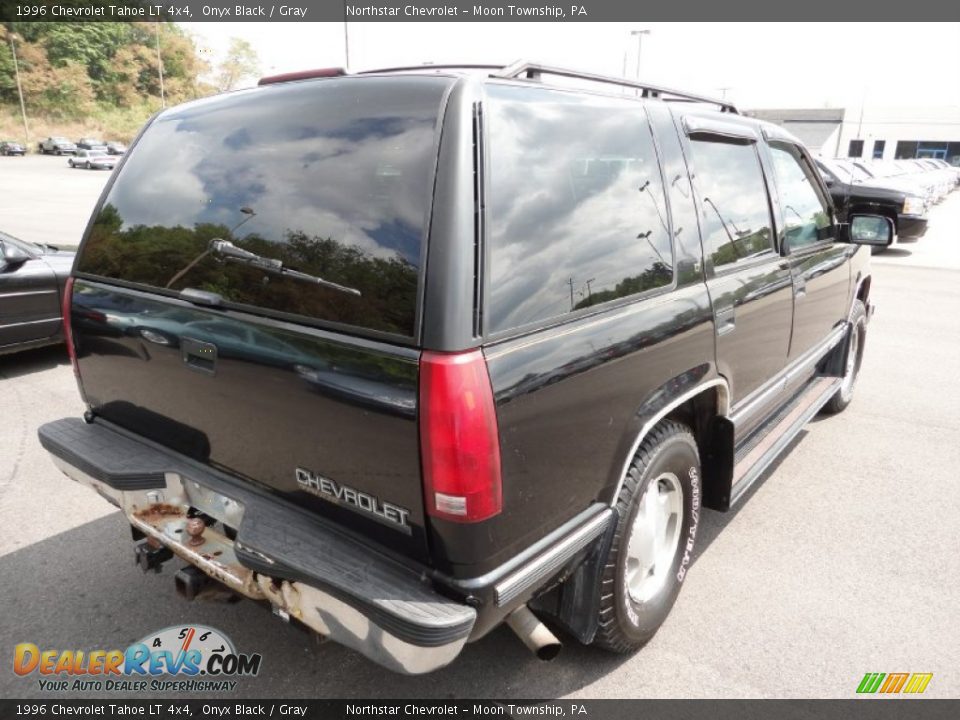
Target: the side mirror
(829, 181)
(875, 230)
(12, 257)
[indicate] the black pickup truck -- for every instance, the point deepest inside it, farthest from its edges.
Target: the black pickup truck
(411, 353)
(906, 209)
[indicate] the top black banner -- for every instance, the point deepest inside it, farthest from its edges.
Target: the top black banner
(471, 11)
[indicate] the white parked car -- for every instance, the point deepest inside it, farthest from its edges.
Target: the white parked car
(92, 160)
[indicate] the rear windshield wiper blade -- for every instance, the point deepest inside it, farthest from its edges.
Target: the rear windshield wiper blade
(229, 251)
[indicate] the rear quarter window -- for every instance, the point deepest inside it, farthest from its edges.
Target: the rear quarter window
(576, 213)
(332, 178)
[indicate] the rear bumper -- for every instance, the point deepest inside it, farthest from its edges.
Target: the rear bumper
(305, 568)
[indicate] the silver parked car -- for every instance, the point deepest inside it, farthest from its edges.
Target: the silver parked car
(92, 160)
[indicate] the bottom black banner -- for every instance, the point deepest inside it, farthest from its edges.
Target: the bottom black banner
(865, 708)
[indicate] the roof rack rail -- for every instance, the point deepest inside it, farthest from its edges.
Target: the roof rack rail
(444, 66)
(533, 71)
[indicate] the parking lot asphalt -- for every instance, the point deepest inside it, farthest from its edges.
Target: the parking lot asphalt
(844, 559)
(45, 200)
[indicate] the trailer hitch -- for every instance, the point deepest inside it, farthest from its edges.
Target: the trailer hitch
(149, 557)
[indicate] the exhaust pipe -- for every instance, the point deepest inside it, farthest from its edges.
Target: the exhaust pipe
(534, 633)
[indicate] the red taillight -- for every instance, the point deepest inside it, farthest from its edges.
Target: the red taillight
(459, 441)
(66, 308)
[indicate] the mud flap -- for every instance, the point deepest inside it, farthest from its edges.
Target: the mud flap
(835, 363)
(575, 603)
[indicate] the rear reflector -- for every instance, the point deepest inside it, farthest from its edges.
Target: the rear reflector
(459, 441)
(302, 75)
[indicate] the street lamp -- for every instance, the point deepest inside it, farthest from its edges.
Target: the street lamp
(639, 35)
(16, 69)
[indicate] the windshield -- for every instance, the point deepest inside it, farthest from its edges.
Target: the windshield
(885, 168)
(30, 248)
(845, 171)
(332, 178)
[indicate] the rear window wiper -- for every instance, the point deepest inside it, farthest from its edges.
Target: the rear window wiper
(230, 252)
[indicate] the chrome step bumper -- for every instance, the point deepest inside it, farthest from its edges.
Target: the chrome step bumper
(302, 566)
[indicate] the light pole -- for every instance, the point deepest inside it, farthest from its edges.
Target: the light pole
(16, 70)
(346, 39)
(163, 98)
(639, 35)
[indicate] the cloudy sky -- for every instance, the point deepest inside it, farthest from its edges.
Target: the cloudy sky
(755, 64)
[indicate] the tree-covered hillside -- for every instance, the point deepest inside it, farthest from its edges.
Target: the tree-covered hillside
(105, 75)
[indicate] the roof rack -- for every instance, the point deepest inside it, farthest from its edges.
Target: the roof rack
(523, 70)
(533, 71)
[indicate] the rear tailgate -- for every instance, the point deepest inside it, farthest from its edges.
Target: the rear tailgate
(192, 330)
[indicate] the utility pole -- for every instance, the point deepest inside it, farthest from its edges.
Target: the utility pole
(163, 97)
(589, 294)
(16, 70)
(570, 283)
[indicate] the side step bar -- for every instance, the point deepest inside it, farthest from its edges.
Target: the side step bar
(770, 440)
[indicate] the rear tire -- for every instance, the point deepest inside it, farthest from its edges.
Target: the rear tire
(652, 548)
(858, 336)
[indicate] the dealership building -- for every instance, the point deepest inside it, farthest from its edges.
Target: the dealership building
(874, 132)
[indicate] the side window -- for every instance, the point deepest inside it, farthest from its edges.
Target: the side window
(806, 218)
(575, 212)
(735, 222)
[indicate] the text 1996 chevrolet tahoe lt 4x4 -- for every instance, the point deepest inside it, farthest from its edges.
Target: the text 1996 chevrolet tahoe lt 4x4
(411, 353)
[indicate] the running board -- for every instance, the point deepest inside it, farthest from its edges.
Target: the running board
(770, 440)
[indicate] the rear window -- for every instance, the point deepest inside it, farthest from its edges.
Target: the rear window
(330, 179)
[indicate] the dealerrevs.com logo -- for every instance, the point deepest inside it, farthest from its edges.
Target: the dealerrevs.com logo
(191, 658)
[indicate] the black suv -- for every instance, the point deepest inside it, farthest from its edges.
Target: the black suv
(411, 353)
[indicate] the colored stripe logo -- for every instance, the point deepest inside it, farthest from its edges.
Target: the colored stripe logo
(893, 683)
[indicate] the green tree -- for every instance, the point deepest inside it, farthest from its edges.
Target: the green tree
(240, 63)
(71, 69)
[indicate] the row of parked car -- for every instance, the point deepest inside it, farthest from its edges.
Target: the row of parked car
(62, 146)
(57, 145)
(903, 190)
(88, 153)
